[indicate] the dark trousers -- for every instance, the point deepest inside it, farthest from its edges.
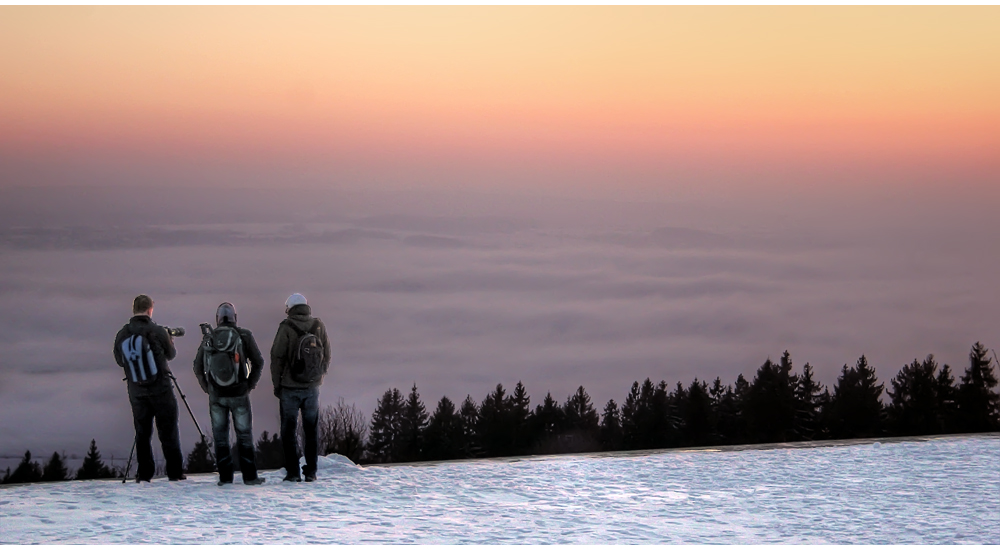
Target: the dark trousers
(220, 409)
(163, 408)
(292, 401)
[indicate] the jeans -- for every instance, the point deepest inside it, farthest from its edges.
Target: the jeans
(163, 408)
(293, 400)
(220, 409)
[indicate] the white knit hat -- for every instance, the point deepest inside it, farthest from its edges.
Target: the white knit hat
(295, 300)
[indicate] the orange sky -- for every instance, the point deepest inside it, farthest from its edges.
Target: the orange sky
(907, 87)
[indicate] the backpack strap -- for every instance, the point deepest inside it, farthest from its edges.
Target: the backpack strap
(300, 332)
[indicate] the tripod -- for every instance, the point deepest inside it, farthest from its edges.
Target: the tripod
(128, 465)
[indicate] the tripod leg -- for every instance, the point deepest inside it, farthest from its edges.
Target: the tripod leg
(128, 465)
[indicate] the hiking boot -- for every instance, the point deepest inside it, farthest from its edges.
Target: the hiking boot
(310, 477)
(221, 483)
(292, 478)
(255, 481)
(139, 480)
(181, 477)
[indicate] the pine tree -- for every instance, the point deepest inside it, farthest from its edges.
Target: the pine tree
(611, 427)
(631, 438)
(947, 394)
(809, 403)
(412, 425)
(696, 415)
(268, 452)
(386, 428)
(582, 423)
(443, 436)
(914, 406)
(857, 410)
(469, 415)
(93, 467)
(977, 401)
(496, 427)
(55, 469)
(200, 460)
(520, 411)
(26, 471)
(770, 404)
(724, 411)
(547, 423)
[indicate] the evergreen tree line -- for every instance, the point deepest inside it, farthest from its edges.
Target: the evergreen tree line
(55, 469)
(778, 405)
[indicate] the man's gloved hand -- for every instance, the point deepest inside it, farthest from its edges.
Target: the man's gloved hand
(277, 391)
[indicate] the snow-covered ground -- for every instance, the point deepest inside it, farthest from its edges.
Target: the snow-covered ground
(944, 490)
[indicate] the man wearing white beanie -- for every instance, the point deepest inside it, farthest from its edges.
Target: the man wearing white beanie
(300, 356)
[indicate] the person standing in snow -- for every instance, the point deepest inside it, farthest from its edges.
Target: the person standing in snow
(300, 356)
(228, 366)
(143, 348)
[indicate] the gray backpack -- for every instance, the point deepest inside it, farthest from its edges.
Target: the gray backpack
(139, 361)
(225, 363)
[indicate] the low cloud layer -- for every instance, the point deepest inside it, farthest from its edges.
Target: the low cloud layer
(458, 302)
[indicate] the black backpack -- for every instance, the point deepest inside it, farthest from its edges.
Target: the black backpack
(140, 365)
(225, 363)
(307, 365)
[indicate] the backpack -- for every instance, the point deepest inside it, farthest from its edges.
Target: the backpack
(139, 361)
(224, 360)
(307, 365)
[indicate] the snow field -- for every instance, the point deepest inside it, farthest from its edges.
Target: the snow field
(908, 492)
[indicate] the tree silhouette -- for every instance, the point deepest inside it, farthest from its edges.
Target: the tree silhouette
(412, 425)
(26, 471)
(581, 424)
(770, 404)
(977, 402)
(268, 452)
(810, 398)
(386, 428)
(696, 416)
(200, 460)
(469, 414)
(947, 395)
(342, 430)
(547, 423)
(611, 427)
(55, 469)
(443, 436)
(520, 412)
(914, 408)
(857, 410)
(93, 467)
(496, 427)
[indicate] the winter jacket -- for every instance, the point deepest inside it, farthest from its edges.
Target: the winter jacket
(241, 388)
(160, 344)
(286, 340)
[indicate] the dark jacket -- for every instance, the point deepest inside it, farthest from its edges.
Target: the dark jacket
(159, 343)
(243, 386)
(284, 347)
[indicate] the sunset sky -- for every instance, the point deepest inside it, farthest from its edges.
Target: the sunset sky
(669, 95)
(468, 196)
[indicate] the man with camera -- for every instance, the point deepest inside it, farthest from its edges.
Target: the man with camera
(228, 366)
(300, 356)
(143, 348)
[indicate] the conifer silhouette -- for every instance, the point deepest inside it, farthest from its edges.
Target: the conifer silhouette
(977, 401)
(200, 460)
(27, 471)
(55, 469)
(412, 425)
(93, 467)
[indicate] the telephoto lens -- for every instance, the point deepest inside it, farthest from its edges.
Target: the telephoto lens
(174, 332)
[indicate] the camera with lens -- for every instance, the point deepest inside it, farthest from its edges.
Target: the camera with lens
(174, 332)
